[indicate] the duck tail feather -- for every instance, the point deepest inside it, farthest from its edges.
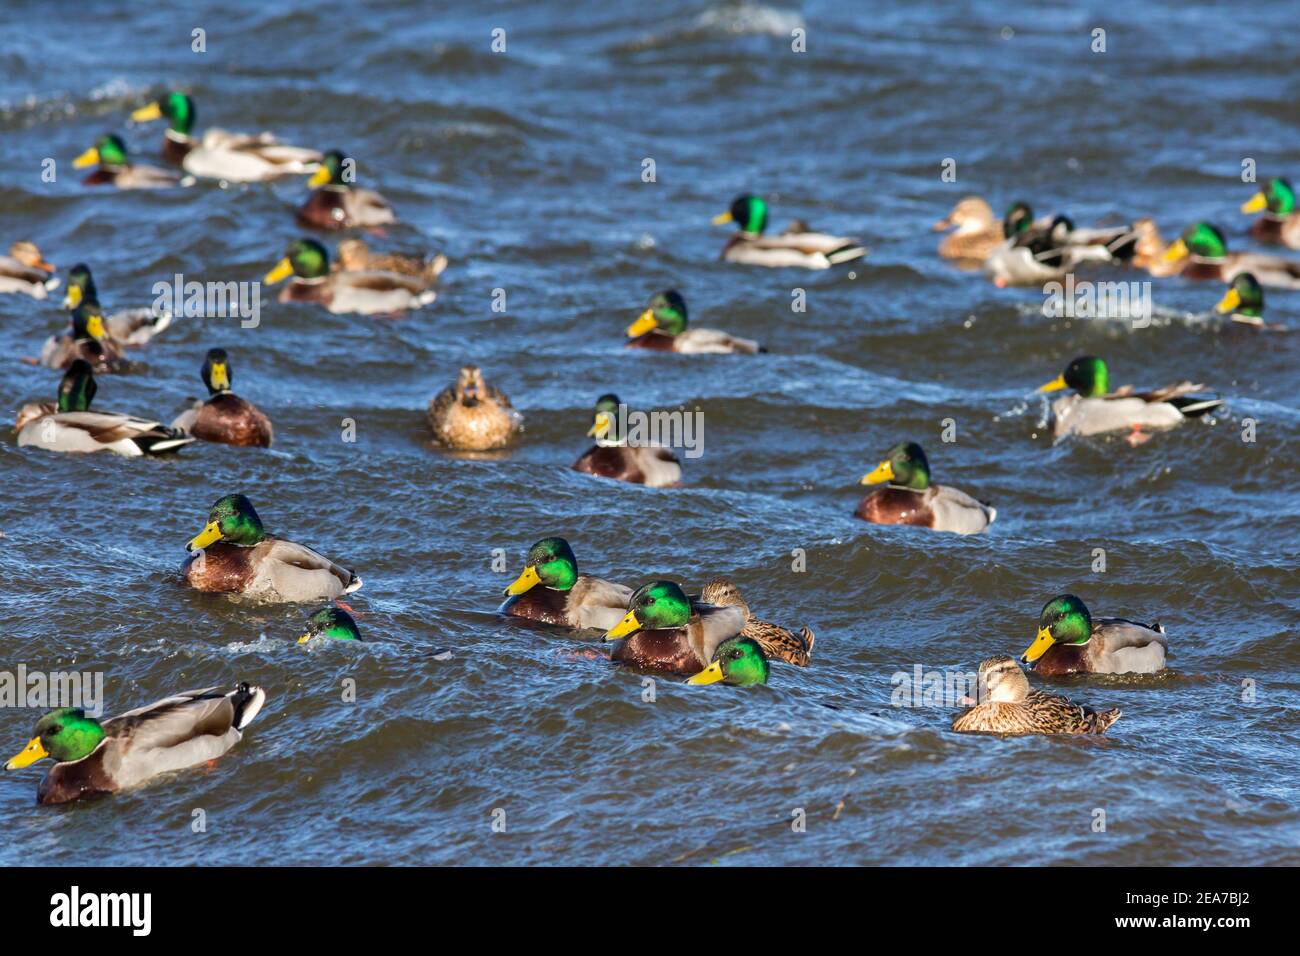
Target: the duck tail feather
(845, 254)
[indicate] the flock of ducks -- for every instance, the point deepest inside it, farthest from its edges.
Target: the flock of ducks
(709, 637)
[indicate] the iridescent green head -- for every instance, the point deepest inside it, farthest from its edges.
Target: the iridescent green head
(216, 372)
(666, 314)
(305, 258)
(332, 622)
(77, 388)
(1087, 375)
(748, 212)
(232, 520)
(1201, 240)
(108, 153)
(64, 735)
(605, 426)
(88, 322)
(1277, 198)
(175, 106)
(655, 606)
(81, 287)
(905, 467)
(551, 563)
(1244, 297)
(738, 661)
(334, 170)
(1065, 620)
(1019, 217)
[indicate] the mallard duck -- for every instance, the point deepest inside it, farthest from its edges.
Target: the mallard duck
(564, 598)
(333, 623)
(664, 631)
(662, 328)
(93, 758)
(471, 415)
(234, 554)
(909, 498)
(70, 425)
(129, 327)
(775, 640)
(109, 154)
(355, 256)
(362, 293)
(25, 270)
(1093, 409)
(1034, 254)
(613, 457)
(1069, 641)
(335, 203)
(738, 661)
(1008, 706)
(797, 246)
(1149, 251)
(234, 157)
(87, 341)
(1244, 303)
(1204, 254)
(1280, 223)
(224, 417)
(977, 233)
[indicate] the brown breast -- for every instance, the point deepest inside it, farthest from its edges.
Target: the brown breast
(77, 780)
(541, 604)
(612, 462)
(1064, 659)
(1202, 270)
(220, 568)
(174, 151)
(895, 506)
(323, 210)
(667, 650)
(231, 420)
(655, 341)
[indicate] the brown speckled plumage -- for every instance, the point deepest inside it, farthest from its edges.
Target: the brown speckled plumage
(1008, 706)
(471, 415)
(776, 641)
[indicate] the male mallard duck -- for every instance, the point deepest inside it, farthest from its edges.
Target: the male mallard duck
(565, 598)
(664, 631)
(1280, 223)
(1244, 303)
(977, 232)
(797, 246)
(93, 758)
(333, 623)
(224, 417)
(1069, 641)
(87, 341)
(738, 661)
(71, 426)
(613, 457)
(471, 415)
(234, 554)
(1204, 254)
(110, 156)
(1008, 706)
(234, 157)
(25, 271)
(131, 327)
(1034, 254)
(355, 256)
(662, 328)
(775, 640)
(1094, 409)
(335, 203)
(909, 498)
(362, 293)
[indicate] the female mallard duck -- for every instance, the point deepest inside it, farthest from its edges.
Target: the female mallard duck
(663, 631)
(70, 425)
(1069, 641)
(1280, 223)
(471, 415)
(355, 256)
(333, 623)
(235, 555)
(87, 341)
(1094, 409)
(109, 154)
(551, 590)
(738, 661)
(614, 457)
(234, 157)
(25, 271)
(797, 246)
(662, 328)
(1008, 706)
(1204, 254)
(1150, 248)
(909, 498)
(343, 293)
(225, 417)
(93, 758)
(775, 640)
(129, 327)
(1244, 303)
(335, 203)
(977, 232)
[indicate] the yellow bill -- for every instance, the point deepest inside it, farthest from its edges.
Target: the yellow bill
(524, 582)
(89, 158)
(601, 427)
(211, 532)
(645, 322)
(1256, 203)
(710, 675)
(882, 472)
(283, 269)
(320, 177)
(73, 297)
(220, 376)
(1055, 385)
(624, 627)
(721, 218)
(95, 326)
(33, 752)
(1230, 301)
(304, 639)
(146, 113)
(1177, 250)
(1042, 642)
